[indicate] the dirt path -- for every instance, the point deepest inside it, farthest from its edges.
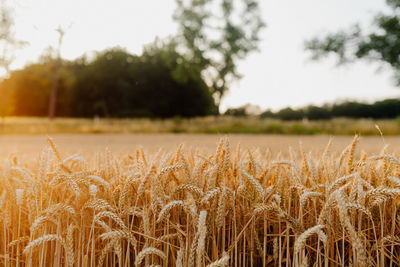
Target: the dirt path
(32, 145)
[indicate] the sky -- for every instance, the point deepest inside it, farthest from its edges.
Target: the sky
(281, 74)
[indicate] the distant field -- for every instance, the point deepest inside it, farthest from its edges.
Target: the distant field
(207, 125)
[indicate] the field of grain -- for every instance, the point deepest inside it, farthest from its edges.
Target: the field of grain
(242, 201)
(201, 125)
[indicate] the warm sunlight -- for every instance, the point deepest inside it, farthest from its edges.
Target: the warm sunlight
(199, 133)
(94, 27)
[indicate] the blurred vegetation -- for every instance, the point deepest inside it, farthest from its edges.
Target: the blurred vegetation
(113, 84)
(151, 85)
(160, 83)
(243, 111)
(380, 42)
(185, 75)
(207, 125)
(8, 41)
(383, 109)
(236, 112)
(216, 36)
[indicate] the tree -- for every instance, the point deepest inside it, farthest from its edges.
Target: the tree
(288, 114)
(118, 84)
(243, 111)
(29, 89)
(312, 112)
(236, 112)
(8, 42)
(55, 78)
(267, 114)
(381, 44)
(113, 84)
(216, 35)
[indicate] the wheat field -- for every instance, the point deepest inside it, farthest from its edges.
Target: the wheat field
(188, 207)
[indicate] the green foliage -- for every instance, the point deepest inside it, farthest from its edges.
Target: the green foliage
(384, 109)
(303, 129)
(210, 125)
(289, 114)
(243, 111)
(236, 112)
(217, 34)
(267, 114)
(352, 110)
(274, 128)
(381, 43)
(8, 42)
(159, 83)
(151, 85)
(317, 113)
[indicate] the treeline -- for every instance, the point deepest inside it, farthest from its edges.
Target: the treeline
(158, 83)
(384, 109)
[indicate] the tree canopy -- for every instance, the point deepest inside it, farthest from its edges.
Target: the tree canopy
(120, 84)
(114, 84)
(379, 43)
(217, 34)
(186, 75)
(8, 42)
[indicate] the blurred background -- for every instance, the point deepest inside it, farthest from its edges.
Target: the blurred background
(204, 66)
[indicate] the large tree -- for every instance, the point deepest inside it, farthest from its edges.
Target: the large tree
(118, 84)
(6, 36)
(8, 44)
(217, 34)
(28, 89)
(380, 43)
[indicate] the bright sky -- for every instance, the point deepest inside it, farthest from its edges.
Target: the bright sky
(280, 75)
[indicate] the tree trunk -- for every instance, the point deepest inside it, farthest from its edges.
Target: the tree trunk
(54, 80)
(2, 124)
(54, 89)
(217, 111)
(217, 99)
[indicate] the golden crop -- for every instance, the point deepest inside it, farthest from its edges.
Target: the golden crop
(230, 208)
